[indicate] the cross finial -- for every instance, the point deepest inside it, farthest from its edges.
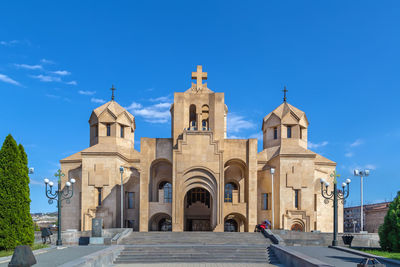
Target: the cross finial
(199, 75)
(59, 174)
(334, 175)
(284, 93)
(112, 89)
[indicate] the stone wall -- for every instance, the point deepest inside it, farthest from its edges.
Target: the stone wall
(293, 238)
(72, 237)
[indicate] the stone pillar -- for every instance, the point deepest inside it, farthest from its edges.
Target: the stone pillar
(144, 201)
(252, 183)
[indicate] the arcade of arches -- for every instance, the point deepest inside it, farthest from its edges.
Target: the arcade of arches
(198, 179)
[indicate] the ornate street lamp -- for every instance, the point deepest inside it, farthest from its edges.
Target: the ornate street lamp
(361, 174)
(59, 195)
(335, 195)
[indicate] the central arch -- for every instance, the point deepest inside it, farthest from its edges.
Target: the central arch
(198, 210)
(199, 199)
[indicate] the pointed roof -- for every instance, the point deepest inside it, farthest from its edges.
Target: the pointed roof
(283, 109)
(115, 109)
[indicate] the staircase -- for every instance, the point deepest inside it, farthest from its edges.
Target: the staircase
(162, 247)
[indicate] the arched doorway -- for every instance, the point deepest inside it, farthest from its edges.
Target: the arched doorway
(231, 226)
(297, 227)
(198, 207)
(235, 222)
(160, 222)
(165, 225)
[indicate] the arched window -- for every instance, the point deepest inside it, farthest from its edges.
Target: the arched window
(192, 118)
(229, 187)
(204, 117)
(167, 187)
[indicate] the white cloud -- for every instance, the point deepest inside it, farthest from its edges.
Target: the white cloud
(162, 105)
(61, 72)
(6, 79)
(358, 142)
(134, 105)
(97, 100)
(72, 83)
(46, 61)
(157, 113)
(237, 123)
(317, 145)
(81, 92)
(53, 96)
(160, 99)
(348, 154)
(9, 43)
(29, 67)
(46, 78)
(34, 182)
(370, 166)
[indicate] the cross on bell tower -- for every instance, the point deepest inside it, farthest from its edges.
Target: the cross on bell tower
(112, 89)
(199, 75)
(284, 93)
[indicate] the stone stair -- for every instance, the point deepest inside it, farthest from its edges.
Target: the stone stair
(160, 247)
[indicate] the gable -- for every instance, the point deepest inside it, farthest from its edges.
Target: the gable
(107, 116)
(124, 119)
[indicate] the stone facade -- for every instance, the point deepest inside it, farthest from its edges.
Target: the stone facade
(198, 180)
(373, 217)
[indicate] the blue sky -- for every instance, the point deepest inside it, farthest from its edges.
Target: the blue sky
(339, 60)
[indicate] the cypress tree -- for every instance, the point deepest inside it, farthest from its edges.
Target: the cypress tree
(28, 234)
(14, 196)
(389, 231)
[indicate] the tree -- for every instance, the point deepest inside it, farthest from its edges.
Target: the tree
(389, 231)
(16, 225)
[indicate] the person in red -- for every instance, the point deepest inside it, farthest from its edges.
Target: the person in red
(264, 225)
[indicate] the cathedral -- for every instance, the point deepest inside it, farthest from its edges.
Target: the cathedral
(198, 179)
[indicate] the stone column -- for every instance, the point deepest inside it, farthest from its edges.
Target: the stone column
(252, 178)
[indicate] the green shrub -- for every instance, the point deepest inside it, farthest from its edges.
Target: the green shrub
(389, 231)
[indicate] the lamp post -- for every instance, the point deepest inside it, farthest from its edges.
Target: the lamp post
(335, 195)
(361, 173)
(121, 170)
(272, 197)
(59, 195)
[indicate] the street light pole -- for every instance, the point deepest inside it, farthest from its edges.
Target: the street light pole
(272, 197)
(335, 194)
(59, 195)
(361, 173)
(121, 170)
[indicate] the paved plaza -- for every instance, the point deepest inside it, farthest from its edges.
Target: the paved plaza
(191, 264)
(54, 257)
(332, 256)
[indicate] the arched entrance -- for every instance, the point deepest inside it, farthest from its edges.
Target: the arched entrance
(198, 210)
(231, 226)
(160, 222)
(165, 225)
(297, 227)
(235, 222)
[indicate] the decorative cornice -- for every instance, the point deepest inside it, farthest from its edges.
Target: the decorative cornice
(110, 154)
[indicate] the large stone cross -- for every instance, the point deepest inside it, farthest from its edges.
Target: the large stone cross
(199, 75)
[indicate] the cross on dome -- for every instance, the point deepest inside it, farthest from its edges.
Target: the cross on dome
(284, 93)
(112, 89)
(199, 75)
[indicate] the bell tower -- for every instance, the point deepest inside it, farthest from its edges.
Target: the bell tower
(199, 109)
